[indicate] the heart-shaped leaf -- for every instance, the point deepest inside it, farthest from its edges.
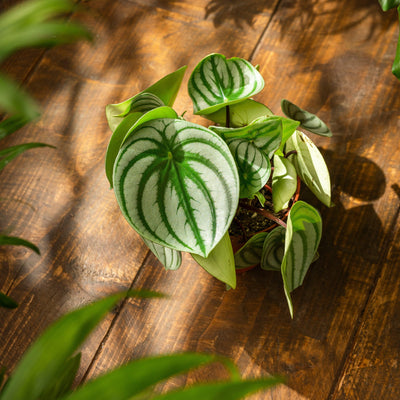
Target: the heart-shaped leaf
(217, 82)
(170, 258)
(220, 262)
(310, 166)
(273, 249)
(164, 91)
(240, 114)
(124, 129)
(250, 253)
(169, 185)
(307, 120)
(303, 234)
(253, 165)
(284, 182)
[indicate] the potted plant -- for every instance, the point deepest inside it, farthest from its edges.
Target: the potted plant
(178, 183)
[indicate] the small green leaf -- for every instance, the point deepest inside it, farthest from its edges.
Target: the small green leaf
(284, 183)
(142, 103)
(220, 262)
(388, 4)
(303, 234)
(307, 120)
(16, 241)
(125, 128)
(169, 186)
(12, 124)
(250, 253)
(396, 63)
(165, 89)
(12, 152)
(221, 390)
(170, 258)
(62, 384)
(310, 166)
(138, 376)
(273, 250)
(38, 369)
(217, 82)
(7, 302)
(241, 114)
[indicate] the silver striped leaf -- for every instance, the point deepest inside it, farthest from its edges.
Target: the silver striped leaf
(170, 258)
(165, 90)
(264, 132)
(273, 249)
(169, 185)
(217, 82)
(253, 165)
(142, 102)
(284, 183)
(303, 234)
(310, 166)
(125, 128)
(240, 114)
(250, 253)
(307, 120)
(220, 262)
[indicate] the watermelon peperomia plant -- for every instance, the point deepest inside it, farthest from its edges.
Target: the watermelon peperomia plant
(178, 184)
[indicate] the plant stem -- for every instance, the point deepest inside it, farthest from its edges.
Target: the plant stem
(228, 117)
(265, 213)
(290, 153)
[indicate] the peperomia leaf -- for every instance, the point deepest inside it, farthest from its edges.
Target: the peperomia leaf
(165, 90)
(303, 234)
(240, 114)
(142, 103)
(273, 249)
(388, 4)
(284, 182)
(16, 241)
(307, 120)
(170, 258)
(7, 302)
(217, 82)
(253, 165)
(169, 185)
(250, 253)
(310, 166)
(220, 262)
(128, 125)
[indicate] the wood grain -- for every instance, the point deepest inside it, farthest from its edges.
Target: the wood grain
(331, 58)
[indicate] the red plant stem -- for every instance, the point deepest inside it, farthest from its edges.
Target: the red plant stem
(265, 213)
(228, 117)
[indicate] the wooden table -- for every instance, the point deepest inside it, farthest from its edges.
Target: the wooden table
(330, 57)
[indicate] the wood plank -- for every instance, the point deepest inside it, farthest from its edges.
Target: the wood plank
(88, 250)
(333, 59)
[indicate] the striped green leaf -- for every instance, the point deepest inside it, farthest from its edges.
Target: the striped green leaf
(240, 114)
(169, 185)
(310, 166)
(220, 262)
(284, 182)
(253, 165)
(273, 249)
(307, 120)
(217, 82)
(124, 129)
(303, 234)
(250, 253)
(170, 258)
(164, 92)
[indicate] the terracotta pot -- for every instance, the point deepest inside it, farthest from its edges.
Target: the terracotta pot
(239, 241)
